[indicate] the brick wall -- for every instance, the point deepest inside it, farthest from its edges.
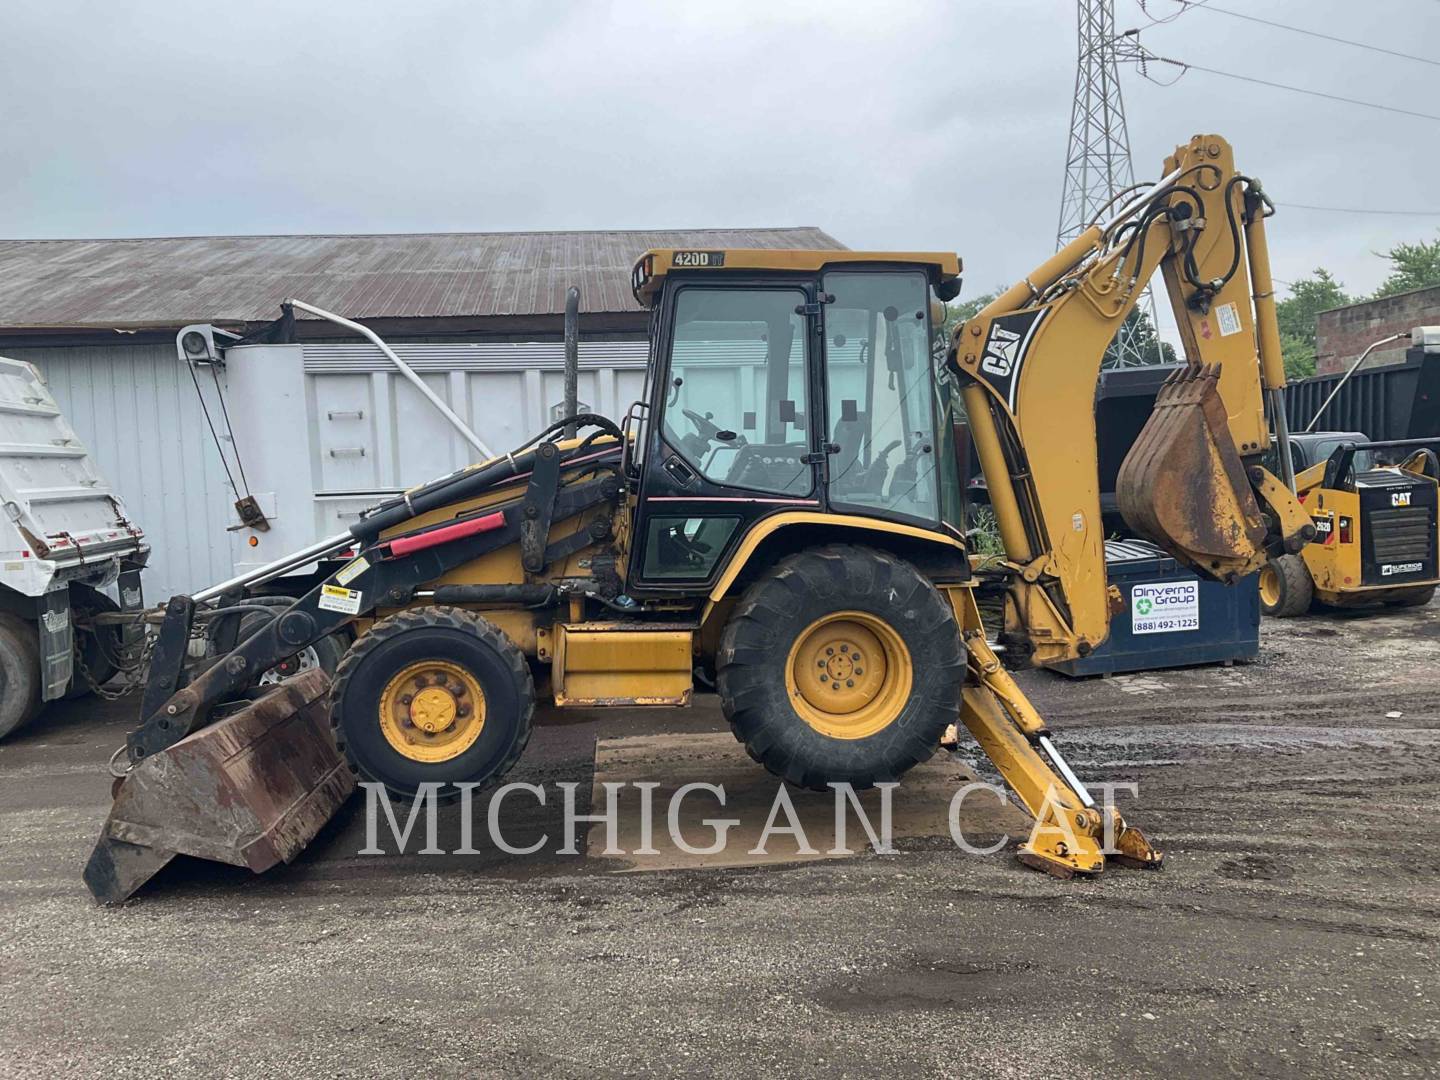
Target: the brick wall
(1342, 334)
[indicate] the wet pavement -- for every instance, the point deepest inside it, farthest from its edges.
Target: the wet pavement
(1293, 930)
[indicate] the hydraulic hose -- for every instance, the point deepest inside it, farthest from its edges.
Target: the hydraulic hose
(466, 484)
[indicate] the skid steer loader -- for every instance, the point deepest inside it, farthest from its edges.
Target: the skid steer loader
(1377, 526)
(781, 512)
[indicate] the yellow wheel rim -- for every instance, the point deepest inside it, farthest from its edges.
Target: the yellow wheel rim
(1269, 586)
(432, 711)
(848, 675)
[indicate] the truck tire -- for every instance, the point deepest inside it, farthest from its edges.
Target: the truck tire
(432, 695)
(19, 673)
(841, 665)
(1418, 598)
(1286, 588)
(96, 647)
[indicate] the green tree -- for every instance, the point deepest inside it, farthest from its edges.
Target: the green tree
(958, 311)
(1412, 266)
(1143, 339)
(1299, 356)
(1317, 292)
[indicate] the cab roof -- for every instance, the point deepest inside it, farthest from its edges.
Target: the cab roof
(651, 268)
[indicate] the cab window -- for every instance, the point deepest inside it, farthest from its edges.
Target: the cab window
(879, 386)
(736, 398)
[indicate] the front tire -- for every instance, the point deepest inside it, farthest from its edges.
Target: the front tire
(432, 695)
(841, 665)
(1286, 588)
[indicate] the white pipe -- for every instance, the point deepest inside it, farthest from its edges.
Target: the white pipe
(278, 567)
(1353, 368)
(404, 369)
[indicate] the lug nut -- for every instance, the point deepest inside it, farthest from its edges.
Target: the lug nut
(849, 682)
(859, 671)
(835, 686)
(405, 699)
(829, 651)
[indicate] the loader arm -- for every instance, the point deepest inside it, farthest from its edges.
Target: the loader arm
(1028, 364)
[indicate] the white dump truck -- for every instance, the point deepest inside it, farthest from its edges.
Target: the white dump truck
(66, 544)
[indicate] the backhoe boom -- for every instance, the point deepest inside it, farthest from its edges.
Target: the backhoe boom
(1028, 364)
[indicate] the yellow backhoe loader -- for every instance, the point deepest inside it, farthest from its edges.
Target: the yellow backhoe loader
(780, 511)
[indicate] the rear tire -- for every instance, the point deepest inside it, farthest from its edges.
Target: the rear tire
(399, 686)
(19, 673)
(883, 638)
(1286, 588)
(1418, 598)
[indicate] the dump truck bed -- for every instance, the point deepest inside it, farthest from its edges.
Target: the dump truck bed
(61, 517)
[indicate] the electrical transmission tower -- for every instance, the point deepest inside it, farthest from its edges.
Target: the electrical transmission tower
(1097, 164)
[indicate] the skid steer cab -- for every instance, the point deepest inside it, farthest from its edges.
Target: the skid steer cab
(1377, 530)
(778, 517)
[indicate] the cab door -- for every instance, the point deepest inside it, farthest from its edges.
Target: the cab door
(734, 433)
(888, 455)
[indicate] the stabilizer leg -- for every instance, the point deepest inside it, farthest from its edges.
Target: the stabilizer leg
(1071, 835)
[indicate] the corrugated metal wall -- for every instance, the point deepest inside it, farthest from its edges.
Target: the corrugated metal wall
(135, 408)
(1387, 402)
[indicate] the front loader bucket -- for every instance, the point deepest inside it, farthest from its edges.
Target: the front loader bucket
(1184, 486)
(250, 790)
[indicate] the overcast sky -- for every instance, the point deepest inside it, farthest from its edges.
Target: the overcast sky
(895, 124)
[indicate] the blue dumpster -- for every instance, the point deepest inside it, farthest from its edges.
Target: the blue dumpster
(1170, 617)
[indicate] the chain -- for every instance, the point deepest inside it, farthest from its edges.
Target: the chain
(132, 665)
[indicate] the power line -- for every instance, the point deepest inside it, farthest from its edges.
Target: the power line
(1361, 210)
(1188, 5)
(1152, 58)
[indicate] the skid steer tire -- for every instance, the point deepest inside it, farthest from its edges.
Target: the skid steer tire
(1418, 598)
(19, 673)
(1286, 588)
(883, 638)
(400, 682)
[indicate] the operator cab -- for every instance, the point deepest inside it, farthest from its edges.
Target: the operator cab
(786, 381)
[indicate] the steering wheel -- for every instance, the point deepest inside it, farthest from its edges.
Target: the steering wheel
(703, 425)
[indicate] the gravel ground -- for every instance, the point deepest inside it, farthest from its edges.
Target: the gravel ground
(1293, 930)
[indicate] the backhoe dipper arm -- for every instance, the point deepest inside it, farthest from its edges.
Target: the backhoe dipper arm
(1028, 364)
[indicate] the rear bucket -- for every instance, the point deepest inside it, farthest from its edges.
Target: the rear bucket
(249, 790)
(1184, 486)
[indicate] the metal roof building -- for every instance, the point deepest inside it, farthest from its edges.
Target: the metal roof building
(406, 283)
(480, 314)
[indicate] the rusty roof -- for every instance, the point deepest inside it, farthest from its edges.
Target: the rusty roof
(169, 282)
